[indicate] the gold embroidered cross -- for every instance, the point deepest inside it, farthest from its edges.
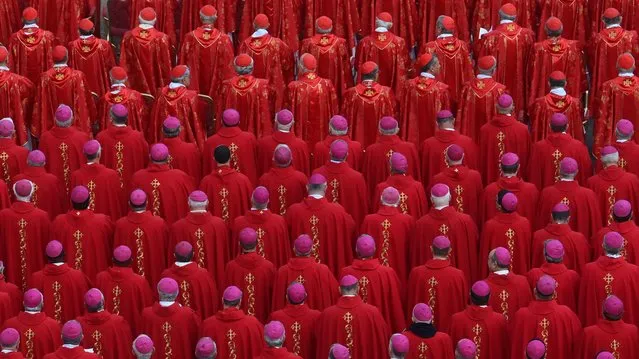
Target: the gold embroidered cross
(166, 326)
(501, 136)
(300, 279)
(433, 282)
(622, 163)
(348, 317)
(386, 224)
(155, 183)
(611, 190)
(503, 295)
(224, 192)
(481, 85)
(557, 155)
(477, 329)
(565, 201)
(260, 241)
(4, 156)
(614, 345)
(443, 229)
(230, 334)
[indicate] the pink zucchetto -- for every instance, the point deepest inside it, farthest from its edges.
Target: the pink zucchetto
(560, 208)
(554, 249)
(248, 237)
(621, 208)
(296, 292)
(230, 117)
(9, 337)
(338, 123)
(171, 123)
(91, 148)
(339, 351)
(198, 196)
(205, 347)
(348, 281)
(388, 123)
(32, 298)
(390, 195)
(605, 355)
(535, 349)
(183, 249)
(122, 254)
(399, 343)
(71, 330)
(284, 117)
(143, 344)
(53, 249)
(93, 298)
(546, 285)
(466, 348)
(260, 195)
(509, 202)
(63, 113)
(365, 246)
(79, 194)
(455, 153)
(274, 330)
(398, 162)
(232, 294)
(441, 242)
(613, 306)
(159, 152)
(444, 114)
(439, 190)
(282, 155)
(509, 159)
(568, 166)
(317, 179)
(303, 244)
(119, 110)
(36, 157)
(23, 188)
(422, 313)
(480, 288)
(613, 240)
(502, 256)
(339, 149)
(168, 286)
(6, 127)
(608, 150)
(137, 198)
(558, 119)
(505, 101)
(625, 128)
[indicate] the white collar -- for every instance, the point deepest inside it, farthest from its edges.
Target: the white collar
(30, 312)
(57, 66)
(482, 76)
(443, 36)
(31, 26)
(439, 208)
(567, 180)
(427, 75)
(175, 85)
(198, 210)
(626, 74)
(621, 141)
(348, 295)
(182, 264)
(118, 85)
(316, 196)
(447, 129)
(84, 37)
(4, 68)
(381, 29)
(70, 346)
(8, 351)
(501, 272)
(259, 33)
(559, 91)
(58, 264)
(613, 255)
(166, 303)
(612, 26)
(145, 26)
(333, 161)
(506, 22)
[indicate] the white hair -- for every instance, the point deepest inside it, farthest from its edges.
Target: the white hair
(610, 159)
(25, 198)
(440, 201)
(198, 205)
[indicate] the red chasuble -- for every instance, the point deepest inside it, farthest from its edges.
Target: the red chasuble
(363, 105)
(125, 293)
(412, 198)
(573, 17)
(77, 352)
(282, 15)
(86, 237)
(567, 282)
(455, 61)
(49, 193)
(124, 150)
(420, 102)
(198, 290)
(175, 328)
(390, 53)
(330, 226)
(209, 237)
(346, 187)
(436, 346)
(208, 53)
(62, 17)
(511, 45)
(24, 232)
(557, 54)
(13, 159)
(8, 310)
(147, 236)
(376, 168)
(164, 11)
(486, 14)
(344, 13)
(442, 286)
(485, 327)
(379, 286)
(322, 149)
(108, 334)
(392, 230)
(612, 184)
(628, 156)
(333, 59)
(630, 233)
(183, 104)
(601, 278)
(243, 146)
(129, 98)
(508, 293)
(433, 148)
(465, 187)
(229, 193)
(255, 276)
(459, 228)
(597, 8)
(106, 192)
(477, 102)
(13, 291)
(184, 156)
(299, 321)
(606, 332)
(30, 52)
(404, 15)
(10, 15)
(237, 333)
(576, 248)
(501, 135)
(527, 198)
(584, 208)
(190, 17)
(95, 58)
(542, 109)
(321, 286)
(555, 324)
(299, 150)
(272, 235)
(287, 186)
(312, 100)
(146, 57)
(5, 201)
(168, 190)
(511, 231)
(253, 98)
(58, 86)
(16, 99)
(428, 14)
(618, 99)
(43, 330)
(546, 155)
(63, 289)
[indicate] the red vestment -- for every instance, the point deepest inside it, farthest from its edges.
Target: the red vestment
(526, 192)
(95, 58)
(344, 13)
(30, 52)
(322, 150)
(375, 167)
(612, 184)
(346, 187)
(77, 352)
(46, 333)
(62, 148)
(430, 12)
(108, 334)
(573, 17)
(176, 328)
(333, 60)
(16, 100)
(546, 154)
(599, 279)
(443, 287)
(477, 102)
(229, 193)
(412, 198)
(459, 228)
(433, 148)
(630, 233)
(379, 286)
(542, 109)
(167, 190)
(628, 156)
(618, 99)
(184, 156)
(24, 233)
(567, 282)
(49, 193)
(403, 13)
(367, 335)
(5, 201)
(62, 17)
(208, 53)
(299, 150)
(124, 150)
(486, 14)
(283, 18)
(63, 289)
(330, 226)
(146, 57)
(129, 98)
(299, 321)
(465, 186)
(501, 135)
(511, 231)
(164, 11)
(63, 86)
(421, 100)
(86, 238)
(198, 290)
(190, 17)
(209, 237)
(321, 286)
(390, 53)
(584, 209)
(455, 61)
(13, 291)
(10, 19)
(272, 235)
(554, 323)
(13, 159)
(106, 192)
(236, 332)
(596, 9)
(576, 247)
(364, 105)
(392, 230)
(253, 98)
(147, 236)
(256, 277)
(243, 146)
(286, 185)
(438, 346)
(508, 293)
(557, 54)
(512, 46)
(183, 104)
(312, 100)
(485, 327)
(604, 333)
(125, 293)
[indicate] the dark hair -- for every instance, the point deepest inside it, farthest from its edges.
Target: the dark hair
(510, 168)
(80, 206)
(126, 263)
(183, 259)
(429, 65)
(560, 216)
(612, 317)
(558, 129)
(170, 132)
(550, 33)
(613, 21)
(371, 76)
(622, 219)
(138, 208)
(222, 154)
(91, 157)
(557, 83)
(120, 120)
(86, 33)
(57, 259)
(233, 303)
(441, 252)
(477, 300)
